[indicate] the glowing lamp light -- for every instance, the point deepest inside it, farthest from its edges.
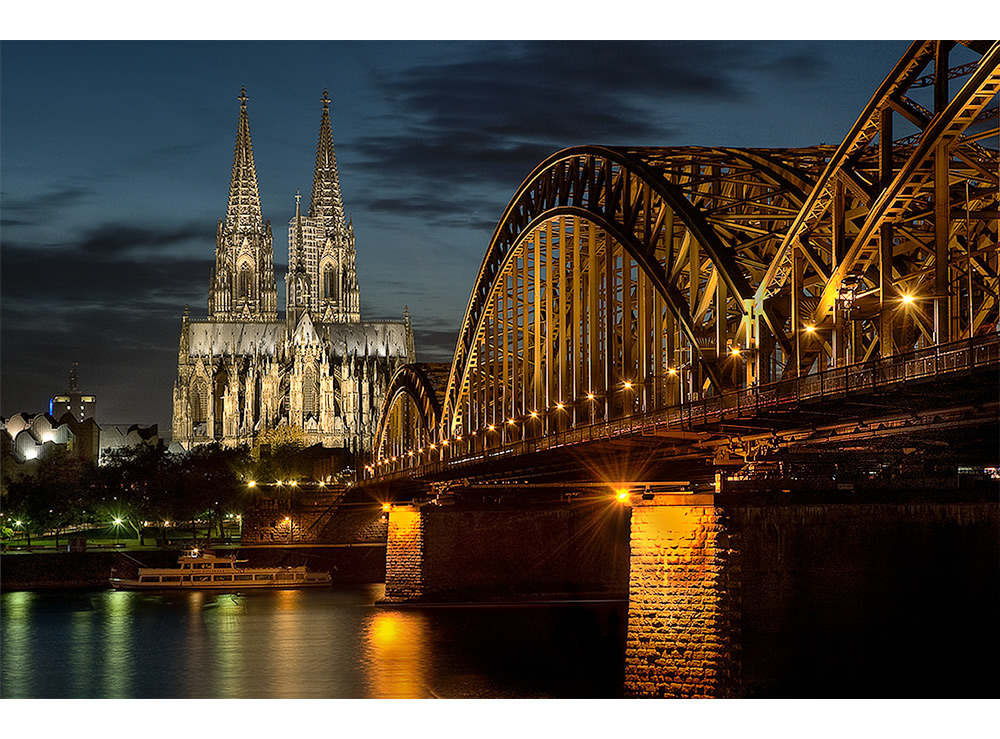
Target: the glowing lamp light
(491, 427)
(735, 351)
(252, 484)
(908, 299)
(671, 371)
(118, 522)
(622, 495)
(810, 329)
(386, 507)
(627, 384)
(510, 422)
(590, 396)
(560, 406)
(534, 414)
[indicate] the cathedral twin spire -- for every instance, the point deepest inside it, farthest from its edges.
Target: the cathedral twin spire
(321, 273)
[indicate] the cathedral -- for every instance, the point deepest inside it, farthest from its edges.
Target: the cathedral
(243, 370)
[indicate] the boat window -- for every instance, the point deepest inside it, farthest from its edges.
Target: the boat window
(243, 577)
(202, 578)
(202, 565)
(223, 565)
(185, 578)
(218, 578)
(263, 577)
(171, 578)
(149, 578)
(186, 567)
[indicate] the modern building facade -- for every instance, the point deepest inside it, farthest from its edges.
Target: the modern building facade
(244, 369)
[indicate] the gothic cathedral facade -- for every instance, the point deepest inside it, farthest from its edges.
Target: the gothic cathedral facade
(243, 370)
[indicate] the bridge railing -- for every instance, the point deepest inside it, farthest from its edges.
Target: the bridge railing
(928, 363)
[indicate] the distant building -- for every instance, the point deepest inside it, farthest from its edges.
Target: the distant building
(26, 438)
(74, 402)
(243, 370)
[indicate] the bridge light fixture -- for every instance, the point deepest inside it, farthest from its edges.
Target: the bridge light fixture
(627, 384)
(511, 422)
(908, 299)
(409, 453)
(279, 483)
(252, 484)
(433, 446)
(386, 507)
(444, 442)
(491, 427)
(621, 495)
(810, 329)
(672, 371)
(534, 414)
(294, 483)
(590, 396)
(560, 406)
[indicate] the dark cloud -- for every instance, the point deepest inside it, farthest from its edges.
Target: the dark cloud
(121, 240)
(435, 345)
(488, 113)
(47, 203)
(119, 275)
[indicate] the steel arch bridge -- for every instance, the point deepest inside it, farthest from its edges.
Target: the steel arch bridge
(623, 281)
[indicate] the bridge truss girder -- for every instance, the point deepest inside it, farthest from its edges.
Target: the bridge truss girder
(624, 280)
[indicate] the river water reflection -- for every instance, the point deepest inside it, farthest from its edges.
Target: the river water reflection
(303, 644)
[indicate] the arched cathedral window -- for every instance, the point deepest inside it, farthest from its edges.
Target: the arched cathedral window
(245, 290)
(329, 281)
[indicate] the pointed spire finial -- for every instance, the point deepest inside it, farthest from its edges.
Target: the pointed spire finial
(243, 97)
(326, 98)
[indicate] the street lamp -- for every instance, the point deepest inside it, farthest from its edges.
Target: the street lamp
(118, 524)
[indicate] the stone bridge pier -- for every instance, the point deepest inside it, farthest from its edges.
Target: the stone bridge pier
(731, 597)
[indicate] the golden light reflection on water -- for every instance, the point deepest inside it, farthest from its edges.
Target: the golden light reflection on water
(396, 655)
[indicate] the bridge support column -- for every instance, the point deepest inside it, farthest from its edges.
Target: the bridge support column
(469, 552)
(683, 628)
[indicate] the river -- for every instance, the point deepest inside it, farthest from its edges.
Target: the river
(329, 643)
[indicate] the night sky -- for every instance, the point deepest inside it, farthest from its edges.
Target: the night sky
(116, 160)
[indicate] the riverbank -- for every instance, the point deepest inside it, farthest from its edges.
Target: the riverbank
(348, 564)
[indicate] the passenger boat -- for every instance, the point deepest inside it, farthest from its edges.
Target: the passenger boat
(199, 569)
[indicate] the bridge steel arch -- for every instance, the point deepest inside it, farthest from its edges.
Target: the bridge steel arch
(410, 415)
(614, 277)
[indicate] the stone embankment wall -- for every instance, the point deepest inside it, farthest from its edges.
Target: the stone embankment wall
(333, 517)
(456, 553)
(837, 600)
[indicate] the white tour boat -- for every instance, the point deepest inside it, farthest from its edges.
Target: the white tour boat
(199, 569)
